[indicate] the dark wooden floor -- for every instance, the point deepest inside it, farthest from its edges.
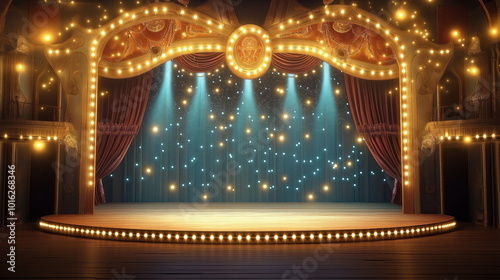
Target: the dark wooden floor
(473, 252)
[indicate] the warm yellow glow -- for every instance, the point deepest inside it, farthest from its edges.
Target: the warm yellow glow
(172, 187)
(264, 186)
(155, 129)
(310, 196)
(20, 67)
(473, 70)
(401, 13)
(39, 146)
(47, 38)
(493, 31)
(326, 187)
(148, 170)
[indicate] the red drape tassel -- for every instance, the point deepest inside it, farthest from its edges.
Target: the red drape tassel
(376, 116)
(120, 115)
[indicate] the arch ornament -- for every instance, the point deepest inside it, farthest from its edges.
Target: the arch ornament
(348, 38)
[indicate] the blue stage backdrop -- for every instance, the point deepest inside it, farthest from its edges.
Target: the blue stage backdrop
(218, 138)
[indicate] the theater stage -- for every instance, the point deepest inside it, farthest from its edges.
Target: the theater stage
(237, 223)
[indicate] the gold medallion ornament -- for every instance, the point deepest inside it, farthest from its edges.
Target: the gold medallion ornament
(249, 51)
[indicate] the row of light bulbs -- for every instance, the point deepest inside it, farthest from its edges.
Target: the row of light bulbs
(227, 237)
(29, 137)
(401, 14)
(385, 29)
(184, 49)
(469, 138)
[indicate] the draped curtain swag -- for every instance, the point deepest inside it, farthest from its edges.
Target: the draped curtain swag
(120, 115)
(376, 116)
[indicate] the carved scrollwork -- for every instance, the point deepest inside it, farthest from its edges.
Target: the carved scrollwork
(70, 141)
(429, 144)
(249, 51)
(422, 82)
(342, 26)
(75, 66)
(301, 33)
(23, 45)
(422, 76)
(195, 30)
(155, 25)
(474, 46)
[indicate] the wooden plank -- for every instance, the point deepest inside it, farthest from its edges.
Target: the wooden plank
(469, 253)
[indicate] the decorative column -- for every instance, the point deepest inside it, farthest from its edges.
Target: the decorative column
(427, 64)
(70, 62)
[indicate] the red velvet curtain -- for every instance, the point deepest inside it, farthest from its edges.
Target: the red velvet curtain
(376, 116)
(285, 62)
(294, 63)
(120, 115)
(201, 62)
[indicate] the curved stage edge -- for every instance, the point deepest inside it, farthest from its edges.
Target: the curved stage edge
(248, 223)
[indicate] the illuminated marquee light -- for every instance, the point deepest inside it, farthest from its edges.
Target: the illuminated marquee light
(249, 51)
(279, 237)
(92, 120)
(471, 138)
(7, 136)
(248, 54)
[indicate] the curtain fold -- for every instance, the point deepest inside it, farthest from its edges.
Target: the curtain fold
(376, 116)
(201, 62)
(294, 63)
(284, 62)
(120, 114)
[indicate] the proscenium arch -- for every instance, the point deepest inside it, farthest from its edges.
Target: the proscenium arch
(420, 64)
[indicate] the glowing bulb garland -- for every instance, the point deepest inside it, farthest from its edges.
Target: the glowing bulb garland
(328, 236)
(328, 13)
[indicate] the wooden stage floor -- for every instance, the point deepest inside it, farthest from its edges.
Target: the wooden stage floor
(228, 222)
